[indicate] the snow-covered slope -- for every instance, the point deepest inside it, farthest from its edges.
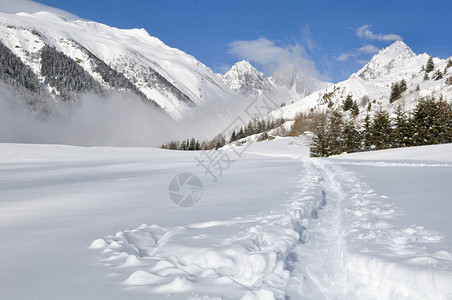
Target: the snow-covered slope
(247, 80)
(169, 77)
(373, 82)
(288, 84)
(358, 226)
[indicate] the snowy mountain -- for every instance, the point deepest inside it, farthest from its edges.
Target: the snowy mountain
(62, 56)
(389, 60)
(247, 80)
(288, 84)
(292, 78)
(373, 83)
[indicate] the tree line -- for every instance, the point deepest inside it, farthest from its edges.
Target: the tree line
(430, 122)
(254, 126)
(15, 73)
(194, 144)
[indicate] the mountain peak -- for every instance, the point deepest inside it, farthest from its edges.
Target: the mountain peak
(397, 48)
(244, 78)
(293, 77)
(243, 66)
(385, 61)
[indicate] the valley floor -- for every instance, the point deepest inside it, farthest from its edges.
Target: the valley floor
(97, 223)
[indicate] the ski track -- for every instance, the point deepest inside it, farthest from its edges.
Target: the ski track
(355, 251)
(333, 239)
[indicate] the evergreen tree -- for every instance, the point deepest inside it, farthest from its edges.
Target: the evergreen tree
(183, 146)
(438, 75)
(320, 144)
(241, 134)
(367, 132)
(355, 109)
(397, 89)
(395, 92)
(233, 136)
(402, 85)
(173, 146)
(381, 130)
(431, 120)
(348, 103)
(401, 128)
(350, 137)
(192, 145)
(335, 127)
(219, 141)
(430, 66)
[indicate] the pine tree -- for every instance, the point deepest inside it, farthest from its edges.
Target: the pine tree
(438, 75)
(395, 92)
(219, 141)
(233, 136)
(449, 64)
(335, 127)
(319, 145)
(173, 145)
(402, 86)
(367, 132)
(348, 103)
(355, 109)
(426, 76)
(381, 130)
(430, 66)
(431, 120)
(183, 146)
(401, 128)
(350, 137)
(192, 145)
(397, 89)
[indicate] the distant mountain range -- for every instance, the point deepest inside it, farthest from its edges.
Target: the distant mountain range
(46, 54)
(374, 82)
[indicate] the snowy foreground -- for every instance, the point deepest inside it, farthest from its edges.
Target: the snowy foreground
(97, 223)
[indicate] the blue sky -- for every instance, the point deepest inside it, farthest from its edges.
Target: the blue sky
(331, 39)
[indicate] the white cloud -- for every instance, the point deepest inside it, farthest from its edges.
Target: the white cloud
(368, 49)
(345, 56)
(28, 6)
(365, 33)
(271, 56)
(307, 39)
(364, 50)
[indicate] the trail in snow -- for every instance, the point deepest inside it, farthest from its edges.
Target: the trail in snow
(356, 250)
(334, 239)
(319, 271)
(309, 228)
(246, 257)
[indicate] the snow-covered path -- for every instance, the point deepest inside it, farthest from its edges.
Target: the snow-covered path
(358, 250)
(278, 225)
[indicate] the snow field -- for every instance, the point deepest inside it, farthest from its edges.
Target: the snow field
(247, 258)
(357, 251)
(277, 225)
